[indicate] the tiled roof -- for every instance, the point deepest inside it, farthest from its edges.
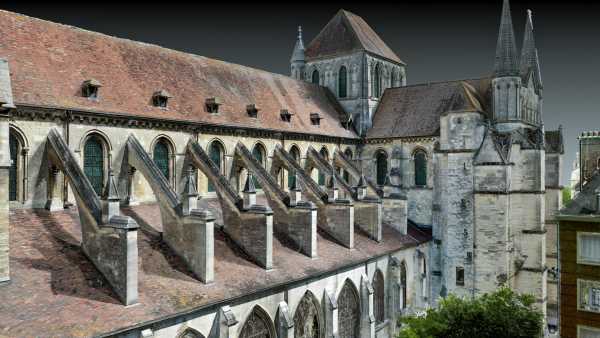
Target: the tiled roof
(415, 110)
(55, 291)
(554, 141)
(347, 33)
(49, 63)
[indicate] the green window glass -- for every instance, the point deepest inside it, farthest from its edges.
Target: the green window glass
(420, 169)
(315, 77)
(93, 163)
(342, 82)
(258, 153)
(216, 154)
(296, 155)
(382, 167)
(161, 158)
(12, 184)
(348, 154)
(377, 81)
(321, 174)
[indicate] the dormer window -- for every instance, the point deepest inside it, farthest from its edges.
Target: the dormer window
(286, 116)
(315, 119)
(90, 88)
(160, 98)
(252, 110)
(212, 105)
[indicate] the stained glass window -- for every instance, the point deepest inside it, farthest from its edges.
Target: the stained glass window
(306, 319)
(420, 168)
(348, 312)
(382, 167)
(342, 82)
(215, 153)
(379, 296)
(161, 158)
(93, 163)
(256, 326)
(14, 156)
(315, 77)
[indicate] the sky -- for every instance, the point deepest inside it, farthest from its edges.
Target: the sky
(439, 40)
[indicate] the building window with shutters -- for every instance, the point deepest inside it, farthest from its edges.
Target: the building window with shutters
(420, 162)
(94, 161)
(343, 82)
(588, 248)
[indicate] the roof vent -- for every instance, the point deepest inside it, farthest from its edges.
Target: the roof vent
(212, 104)
(315, 119)
(160, 98)
(286, 116)
(252, 110)
(90, 87)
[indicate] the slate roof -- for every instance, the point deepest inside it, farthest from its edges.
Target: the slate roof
(55, 291)
(49, 63)
(414, 111)
(554, 141)
(347, 33)
(584, 203)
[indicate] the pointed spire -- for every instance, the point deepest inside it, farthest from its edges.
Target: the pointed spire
(506, 62)
(249, 186)
(529, 56)
(190, 183)
(111, 192)
(298, 54)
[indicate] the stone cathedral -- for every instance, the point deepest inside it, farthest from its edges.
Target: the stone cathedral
(147, 192)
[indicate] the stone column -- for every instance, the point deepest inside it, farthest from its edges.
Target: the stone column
(55, 190)
(4, 210)
(330, 310)
(367, 320)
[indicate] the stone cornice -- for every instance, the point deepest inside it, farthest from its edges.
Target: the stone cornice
(33, 112)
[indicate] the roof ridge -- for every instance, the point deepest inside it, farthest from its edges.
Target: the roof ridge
(148, 44)
(436, 83)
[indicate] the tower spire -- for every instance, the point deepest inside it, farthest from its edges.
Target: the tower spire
(529, 57)
(506, 63)
(298, 60)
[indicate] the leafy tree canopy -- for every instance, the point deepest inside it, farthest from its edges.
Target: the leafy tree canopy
(501, 314)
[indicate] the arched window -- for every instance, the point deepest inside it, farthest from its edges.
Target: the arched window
(402, 293)
(257, 325)
(13, 173)
(306, 318)
(348, 312)
(381, 161)
(315, 77)
(258, 152)
(325, 155)
(162, 155)
(190, 333)
(420, 158)
(93, 162)
(379, 296)
(295, 152)
(377, 81)
(348, 154)
(342, 82)
(216, 153)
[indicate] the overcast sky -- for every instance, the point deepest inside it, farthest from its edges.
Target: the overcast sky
(439, 40)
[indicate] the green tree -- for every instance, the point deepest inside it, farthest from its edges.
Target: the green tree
(566, 195)
(501, 314)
